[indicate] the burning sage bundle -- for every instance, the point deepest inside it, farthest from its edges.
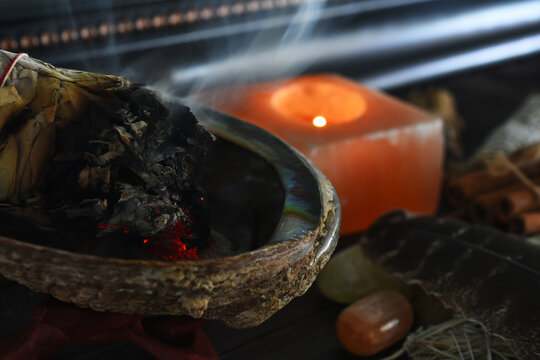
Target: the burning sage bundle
(83, 151)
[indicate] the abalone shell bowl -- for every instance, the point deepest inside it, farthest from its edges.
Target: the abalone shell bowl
(296, 231)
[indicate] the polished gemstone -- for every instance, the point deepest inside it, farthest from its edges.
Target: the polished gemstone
(374, 323)
(349, 276)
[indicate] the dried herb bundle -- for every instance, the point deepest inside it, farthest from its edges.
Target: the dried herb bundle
(456, 338)
(79, 149)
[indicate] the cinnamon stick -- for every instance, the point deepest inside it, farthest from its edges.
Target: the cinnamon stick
(459, 189)
(463, 187)
(526, 223)
(516, 202)
(475, 183)
(484, 207)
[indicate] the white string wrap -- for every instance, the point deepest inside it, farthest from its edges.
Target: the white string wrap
(10, 67)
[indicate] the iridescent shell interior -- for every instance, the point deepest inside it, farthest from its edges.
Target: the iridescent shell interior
(280, 218)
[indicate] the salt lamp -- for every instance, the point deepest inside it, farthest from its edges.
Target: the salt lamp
(379, 153)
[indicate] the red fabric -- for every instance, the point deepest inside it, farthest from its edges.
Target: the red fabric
(57, 325)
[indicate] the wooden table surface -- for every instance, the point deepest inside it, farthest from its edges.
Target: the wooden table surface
(305, 328)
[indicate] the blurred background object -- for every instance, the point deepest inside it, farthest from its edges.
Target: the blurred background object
(191, 44)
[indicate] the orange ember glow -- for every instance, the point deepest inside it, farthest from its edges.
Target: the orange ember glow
(168, 245)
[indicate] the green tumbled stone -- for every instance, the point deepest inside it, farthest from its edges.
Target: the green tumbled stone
(350, 276)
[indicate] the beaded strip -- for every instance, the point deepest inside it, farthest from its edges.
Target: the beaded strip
(143, 23)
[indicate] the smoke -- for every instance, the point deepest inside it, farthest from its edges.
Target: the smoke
(268, 43)
(270, 47)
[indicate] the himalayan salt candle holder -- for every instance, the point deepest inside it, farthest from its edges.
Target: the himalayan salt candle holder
(379, 153)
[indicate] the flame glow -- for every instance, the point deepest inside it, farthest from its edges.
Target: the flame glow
(319, 121)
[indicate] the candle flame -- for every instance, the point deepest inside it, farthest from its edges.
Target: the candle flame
(319, 121)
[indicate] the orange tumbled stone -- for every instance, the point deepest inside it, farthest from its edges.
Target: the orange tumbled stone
(374, 323)
(379, 153)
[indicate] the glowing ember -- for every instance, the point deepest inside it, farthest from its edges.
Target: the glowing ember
(319, 121)
(168, 245)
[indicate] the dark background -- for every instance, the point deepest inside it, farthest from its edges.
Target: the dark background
(387, 55)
